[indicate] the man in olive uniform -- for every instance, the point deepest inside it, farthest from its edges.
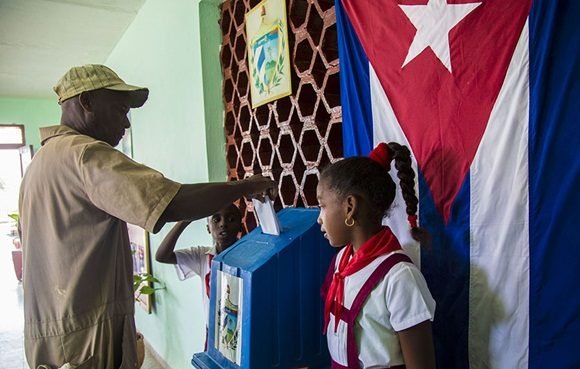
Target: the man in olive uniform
(75, 199)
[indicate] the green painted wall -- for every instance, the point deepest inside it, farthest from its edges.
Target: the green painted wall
(211, 39)
(32, 113)
(179, 131)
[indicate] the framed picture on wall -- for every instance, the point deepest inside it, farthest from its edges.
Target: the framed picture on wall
(268, 52)
(139, 240)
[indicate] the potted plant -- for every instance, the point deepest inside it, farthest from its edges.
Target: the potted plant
(142, 285)
(17, 251)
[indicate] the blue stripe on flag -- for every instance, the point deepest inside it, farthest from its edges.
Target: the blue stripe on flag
(446, 269)
(357, 116)
(554, 184)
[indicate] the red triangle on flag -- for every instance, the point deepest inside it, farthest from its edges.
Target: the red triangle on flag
(443, 113)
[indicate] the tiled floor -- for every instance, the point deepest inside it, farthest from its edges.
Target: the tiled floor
(11, 318)
(11, 315)
(150, 362)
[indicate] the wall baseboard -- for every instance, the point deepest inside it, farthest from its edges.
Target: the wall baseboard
(149, 350)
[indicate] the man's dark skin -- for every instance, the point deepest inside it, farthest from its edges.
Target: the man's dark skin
(102, 114)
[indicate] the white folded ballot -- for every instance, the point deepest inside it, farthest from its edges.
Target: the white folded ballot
(267, 216)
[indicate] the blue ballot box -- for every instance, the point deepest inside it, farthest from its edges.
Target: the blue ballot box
(265, 304)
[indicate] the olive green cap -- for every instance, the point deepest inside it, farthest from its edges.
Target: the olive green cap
(91, 77)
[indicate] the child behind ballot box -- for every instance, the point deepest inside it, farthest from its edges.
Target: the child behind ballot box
(224, 227)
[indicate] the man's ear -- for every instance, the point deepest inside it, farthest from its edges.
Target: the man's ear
(207, 227)
(85, 100)
(351, 206)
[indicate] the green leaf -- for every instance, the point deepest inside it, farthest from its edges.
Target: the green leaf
(150, 278)
(146, 290)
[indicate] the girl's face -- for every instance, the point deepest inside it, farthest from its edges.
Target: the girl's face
(333, 212)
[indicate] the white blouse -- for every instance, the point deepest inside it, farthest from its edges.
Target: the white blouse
(399, 301)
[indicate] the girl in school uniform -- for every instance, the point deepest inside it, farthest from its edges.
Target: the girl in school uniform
(378, 309)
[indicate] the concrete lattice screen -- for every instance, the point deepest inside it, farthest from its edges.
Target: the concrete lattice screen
(290, 139)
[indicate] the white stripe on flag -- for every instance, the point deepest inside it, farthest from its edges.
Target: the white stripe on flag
(386, 128)
(499, 221)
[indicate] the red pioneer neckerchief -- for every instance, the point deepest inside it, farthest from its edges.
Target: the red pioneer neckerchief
(381, 243)
(208, 275)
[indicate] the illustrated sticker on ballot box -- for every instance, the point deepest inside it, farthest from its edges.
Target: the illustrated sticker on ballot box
(228, 333)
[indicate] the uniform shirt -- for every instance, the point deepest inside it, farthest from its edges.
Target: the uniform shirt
(399, 301)
(196, 261)
(75, 199)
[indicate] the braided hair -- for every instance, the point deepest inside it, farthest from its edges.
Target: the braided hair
(369, 179)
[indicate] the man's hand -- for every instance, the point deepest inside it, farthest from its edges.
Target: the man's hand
(260, 186)
(198, 200)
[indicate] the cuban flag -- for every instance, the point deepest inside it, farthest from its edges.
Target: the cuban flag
(486, 94)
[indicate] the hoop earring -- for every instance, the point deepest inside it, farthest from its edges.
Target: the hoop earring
(346, 223)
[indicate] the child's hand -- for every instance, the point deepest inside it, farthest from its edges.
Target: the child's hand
(261, 186)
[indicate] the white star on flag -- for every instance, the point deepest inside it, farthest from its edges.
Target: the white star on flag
(433, 23)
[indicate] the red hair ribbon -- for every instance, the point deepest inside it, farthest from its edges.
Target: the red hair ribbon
(381, 155)
(412, 221)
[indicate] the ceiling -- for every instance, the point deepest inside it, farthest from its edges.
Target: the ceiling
(41, 39)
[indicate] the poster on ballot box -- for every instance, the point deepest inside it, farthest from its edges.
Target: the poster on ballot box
(228, 328)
